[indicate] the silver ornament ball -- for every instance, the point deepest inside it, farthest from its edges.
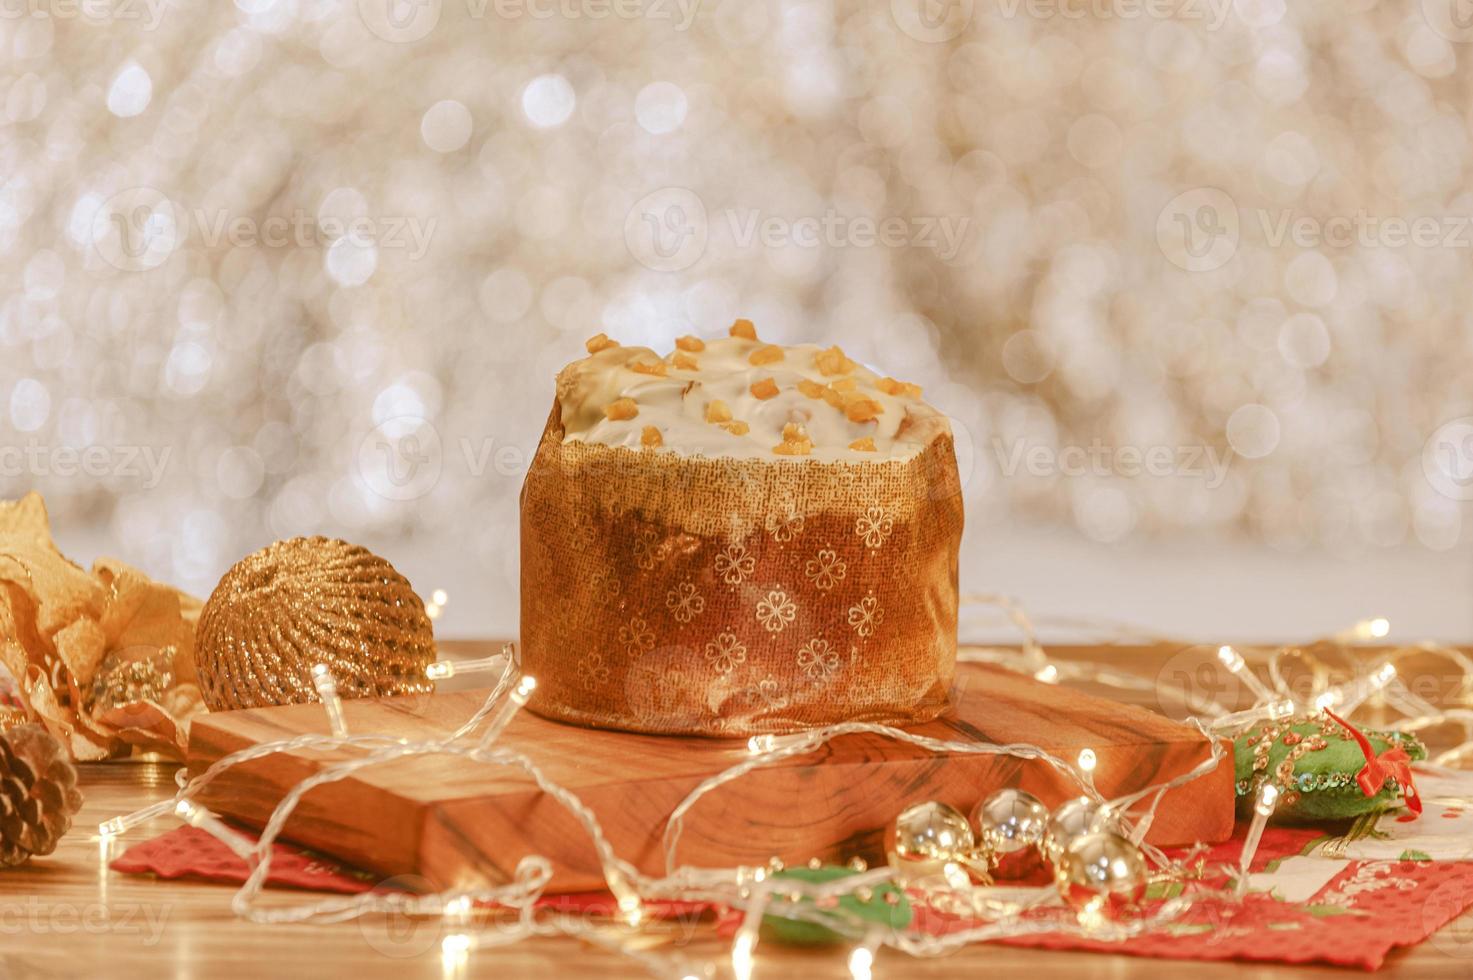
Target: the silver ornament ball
(932, 843)
(1010, 820)
(932, 831)
(1102, 873)
(1073, 819)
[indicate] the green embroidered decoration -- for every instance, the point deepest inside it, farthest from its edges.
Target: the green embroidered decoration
(883, 905)
(1314, 763)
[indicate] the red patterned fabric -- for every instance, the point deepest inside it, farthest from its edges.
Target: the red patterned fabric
(187, 852)
(1364, 911)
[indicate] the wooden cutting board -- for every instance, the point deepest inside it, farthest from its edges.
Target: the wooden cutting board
(456, 824)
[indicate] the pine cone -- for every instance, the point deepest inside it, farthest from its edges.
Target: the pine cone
(38, 793)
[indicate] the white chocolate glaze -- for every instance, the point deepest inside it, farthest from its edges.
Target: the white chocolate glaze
(676, 405)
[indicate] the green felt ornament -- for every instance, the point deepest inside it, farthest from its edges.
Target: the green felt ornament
(1314, 762)
(883, 905)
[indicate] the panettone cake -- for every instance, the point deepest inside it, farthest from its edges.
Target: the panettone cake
(738, 538)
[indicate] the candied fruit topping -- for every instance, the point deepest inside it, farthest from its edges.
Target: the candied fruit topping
(718, 412)
(656, 368)
(865, 445)
(651, 437)
(692, 344)
(769, 354)
(598, 342)
(861, 409)
(765, 389)
(903, 388)
(811, 388)
(620, 409)
(686, 362)
(795, 441)
(744, 329)
(737, 428)
(832, 361)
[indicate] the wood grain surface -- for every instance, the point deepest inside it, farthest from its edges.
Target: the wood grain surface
(67, 916)
(461, 825)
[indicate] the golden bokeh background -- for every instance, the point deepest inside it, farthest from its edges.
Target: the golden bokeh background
(1180, 270)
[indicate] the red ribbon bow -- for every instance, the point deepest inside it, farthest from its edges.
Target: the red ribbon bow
(1393, 763)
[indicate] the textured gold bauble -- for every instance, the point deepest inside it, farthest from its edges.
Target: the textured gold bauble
(307, 601)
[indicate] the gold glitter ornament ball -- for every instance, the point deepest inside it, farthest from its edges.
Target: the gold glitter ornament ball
(311, 601)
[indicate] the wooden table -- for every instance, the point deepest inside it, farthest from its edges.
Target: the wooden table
(66, 915)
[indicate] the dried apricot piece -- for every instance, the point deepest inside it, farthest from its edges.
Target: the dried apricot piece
(737, 428)
(744, 330)
(598, 342)
(902, 388)
(650, 436)
(865, 445)
(656, 368)
(621, 409)
(689, 343)
(811, 388)
(795, 441)
(832, 361)
(765, 389)
(685, 362)
(858, 408)
(770, 354)
(717, 411)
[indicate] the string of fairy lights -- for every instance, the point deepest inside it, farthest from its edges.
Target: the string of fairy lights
(995, 910)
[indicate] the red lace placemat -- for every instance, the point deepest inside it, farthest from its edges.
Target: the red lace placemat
(1349, 913)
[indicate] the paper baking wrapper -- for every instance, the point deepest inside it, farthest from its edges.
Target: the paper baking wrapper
(730, 597)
